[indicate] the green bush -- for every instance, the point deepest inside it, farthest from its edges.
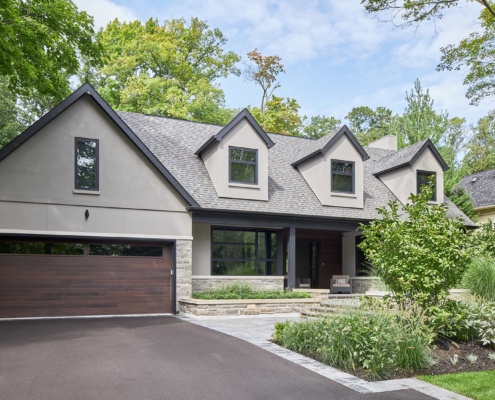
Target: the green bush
(239, 291)
(379, 342)
(481, 318)
(416, 250)
(480, 277)
(450, 321)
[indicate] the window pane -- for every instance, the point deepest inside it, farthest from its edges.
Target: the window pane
(234, 268)
(234, 236)
(424, 178)
(86, 171)
(342, 183)
(244, 251)
(341, 166)
(243, 155)
(242, 172)
(124, 250)
(274, 246)
(69, 249)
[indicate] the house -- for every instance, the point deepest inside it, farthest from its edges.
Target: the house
(481, 188)
(105, 212)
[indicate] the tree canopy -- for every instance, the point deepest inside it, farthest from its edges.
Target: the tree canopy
(168, 69)
(40, 44)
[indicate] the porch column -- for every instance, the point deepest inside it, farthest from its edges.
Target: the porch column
(291, 252)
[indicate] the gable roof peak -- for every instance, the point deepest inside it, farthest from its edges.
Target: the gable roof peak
(244, 114)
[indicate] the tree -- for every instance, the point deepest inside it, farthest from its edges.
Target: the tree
(419, 257)
(10, 120)
(420, 121)
(475, 53)
(462, 200)
(263, 71)
(404, 13)
(168, 69)
(41, 42)
(369, 125)
(481, 148)
(320, 126)
(280, 116)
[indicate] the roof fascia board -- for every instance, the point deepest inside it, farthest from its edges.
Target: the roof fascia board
(87, 89)
(244, 114)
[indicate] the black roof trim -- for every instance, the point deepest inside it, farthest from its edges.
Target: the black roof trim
(84, 90)
(427, 145)
(227, 128)
(342, 131)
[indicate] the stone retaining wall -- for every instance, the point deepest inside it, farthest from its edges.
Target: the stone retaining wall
(205, 282)
(244, 307)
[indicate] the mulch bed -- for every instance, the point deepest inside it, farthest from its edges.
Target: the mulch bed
(443, 363)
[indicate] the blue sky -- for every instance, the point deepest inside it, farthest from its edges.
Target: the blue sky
(336, 57)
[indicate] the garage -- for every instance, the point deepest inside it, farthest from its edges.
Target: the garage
(48, 278)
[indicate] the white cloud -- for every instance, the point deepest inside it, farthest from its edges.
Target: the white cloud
(104, 11)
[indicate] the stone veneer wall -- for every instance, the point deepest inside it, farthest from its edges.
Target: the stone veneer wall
(363, 284)
(183, 269)
(203, 283)
(244, 307)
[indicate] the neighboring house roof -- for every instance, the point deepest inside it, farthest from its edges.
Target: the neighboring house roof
(481, 188)
(322, 145)
(407, 156)
(174, 142)
(88, 90)
(244, 114)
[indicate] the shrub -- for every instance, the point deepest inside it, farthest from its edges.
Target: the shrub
(450, 321)
(483, 239)
(480, 277)
(482, 319)
(417, 251)
(378, 342)
(238, 291)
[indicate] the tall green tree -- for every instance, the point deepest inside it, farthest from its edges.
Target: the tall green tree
(41, 42)
(320, 126)
(168, 69)
(481, 148)
(369, 125)
(280, 116)
(10, 119)
(475, 54)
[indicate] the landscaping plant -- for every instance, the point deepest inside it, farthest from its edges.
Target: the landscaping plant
(480, 277)
(416, 250)
(245, 291)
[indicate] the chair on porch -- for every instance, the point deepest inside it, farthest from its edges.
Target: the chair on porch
(340, 284)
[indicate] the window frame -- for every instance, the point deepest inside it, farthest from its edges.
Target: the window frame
(418, 185)
(97, 163)
(352, 174)
(267, 259)
(255, 163)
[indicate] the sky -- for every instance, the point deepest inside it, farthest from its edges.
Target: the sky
(336, 56)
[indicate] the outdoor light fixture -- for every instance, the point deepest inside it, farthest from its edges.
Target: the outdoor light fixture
(86, 214)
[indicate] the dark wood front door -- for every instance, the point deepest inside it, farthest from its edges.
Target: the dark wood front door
(60, 285)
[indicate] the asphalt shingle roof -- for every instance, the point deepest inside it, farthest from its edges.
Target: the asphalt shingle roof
(481, 188)
(398, 158)
(174, 143)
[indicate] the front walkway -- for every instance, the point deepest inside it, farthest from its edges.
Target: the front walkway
(257, 330)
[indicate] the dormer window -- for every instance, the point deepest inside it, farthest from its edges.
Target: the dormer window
(342, 176)
(86, 164)
(424, 178)
(243, 165)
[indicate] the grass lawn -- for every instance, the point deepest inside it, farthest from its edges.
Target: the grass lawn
(477, 385)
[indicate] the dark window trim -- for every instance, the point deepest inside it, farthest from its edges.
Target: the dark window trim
(97, 141)
(257, 259)
(255, 163)
(428, 173)
(352, 174)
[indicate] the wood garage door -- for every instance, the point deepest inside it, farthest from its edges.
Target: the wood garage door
(75, 279)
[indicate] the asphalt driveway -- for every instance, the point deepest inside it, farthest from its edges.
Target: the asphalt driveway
(151, 358)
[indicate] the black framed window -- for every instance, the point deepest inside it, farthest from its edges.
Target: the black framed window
(41, 247)
(424, 178)
(243, 165)
(86, 164)
(243, 252)
(125, 250)
(342, 176)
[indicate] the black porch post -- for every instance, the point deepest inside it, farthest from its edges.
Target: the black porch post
(291, 278)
